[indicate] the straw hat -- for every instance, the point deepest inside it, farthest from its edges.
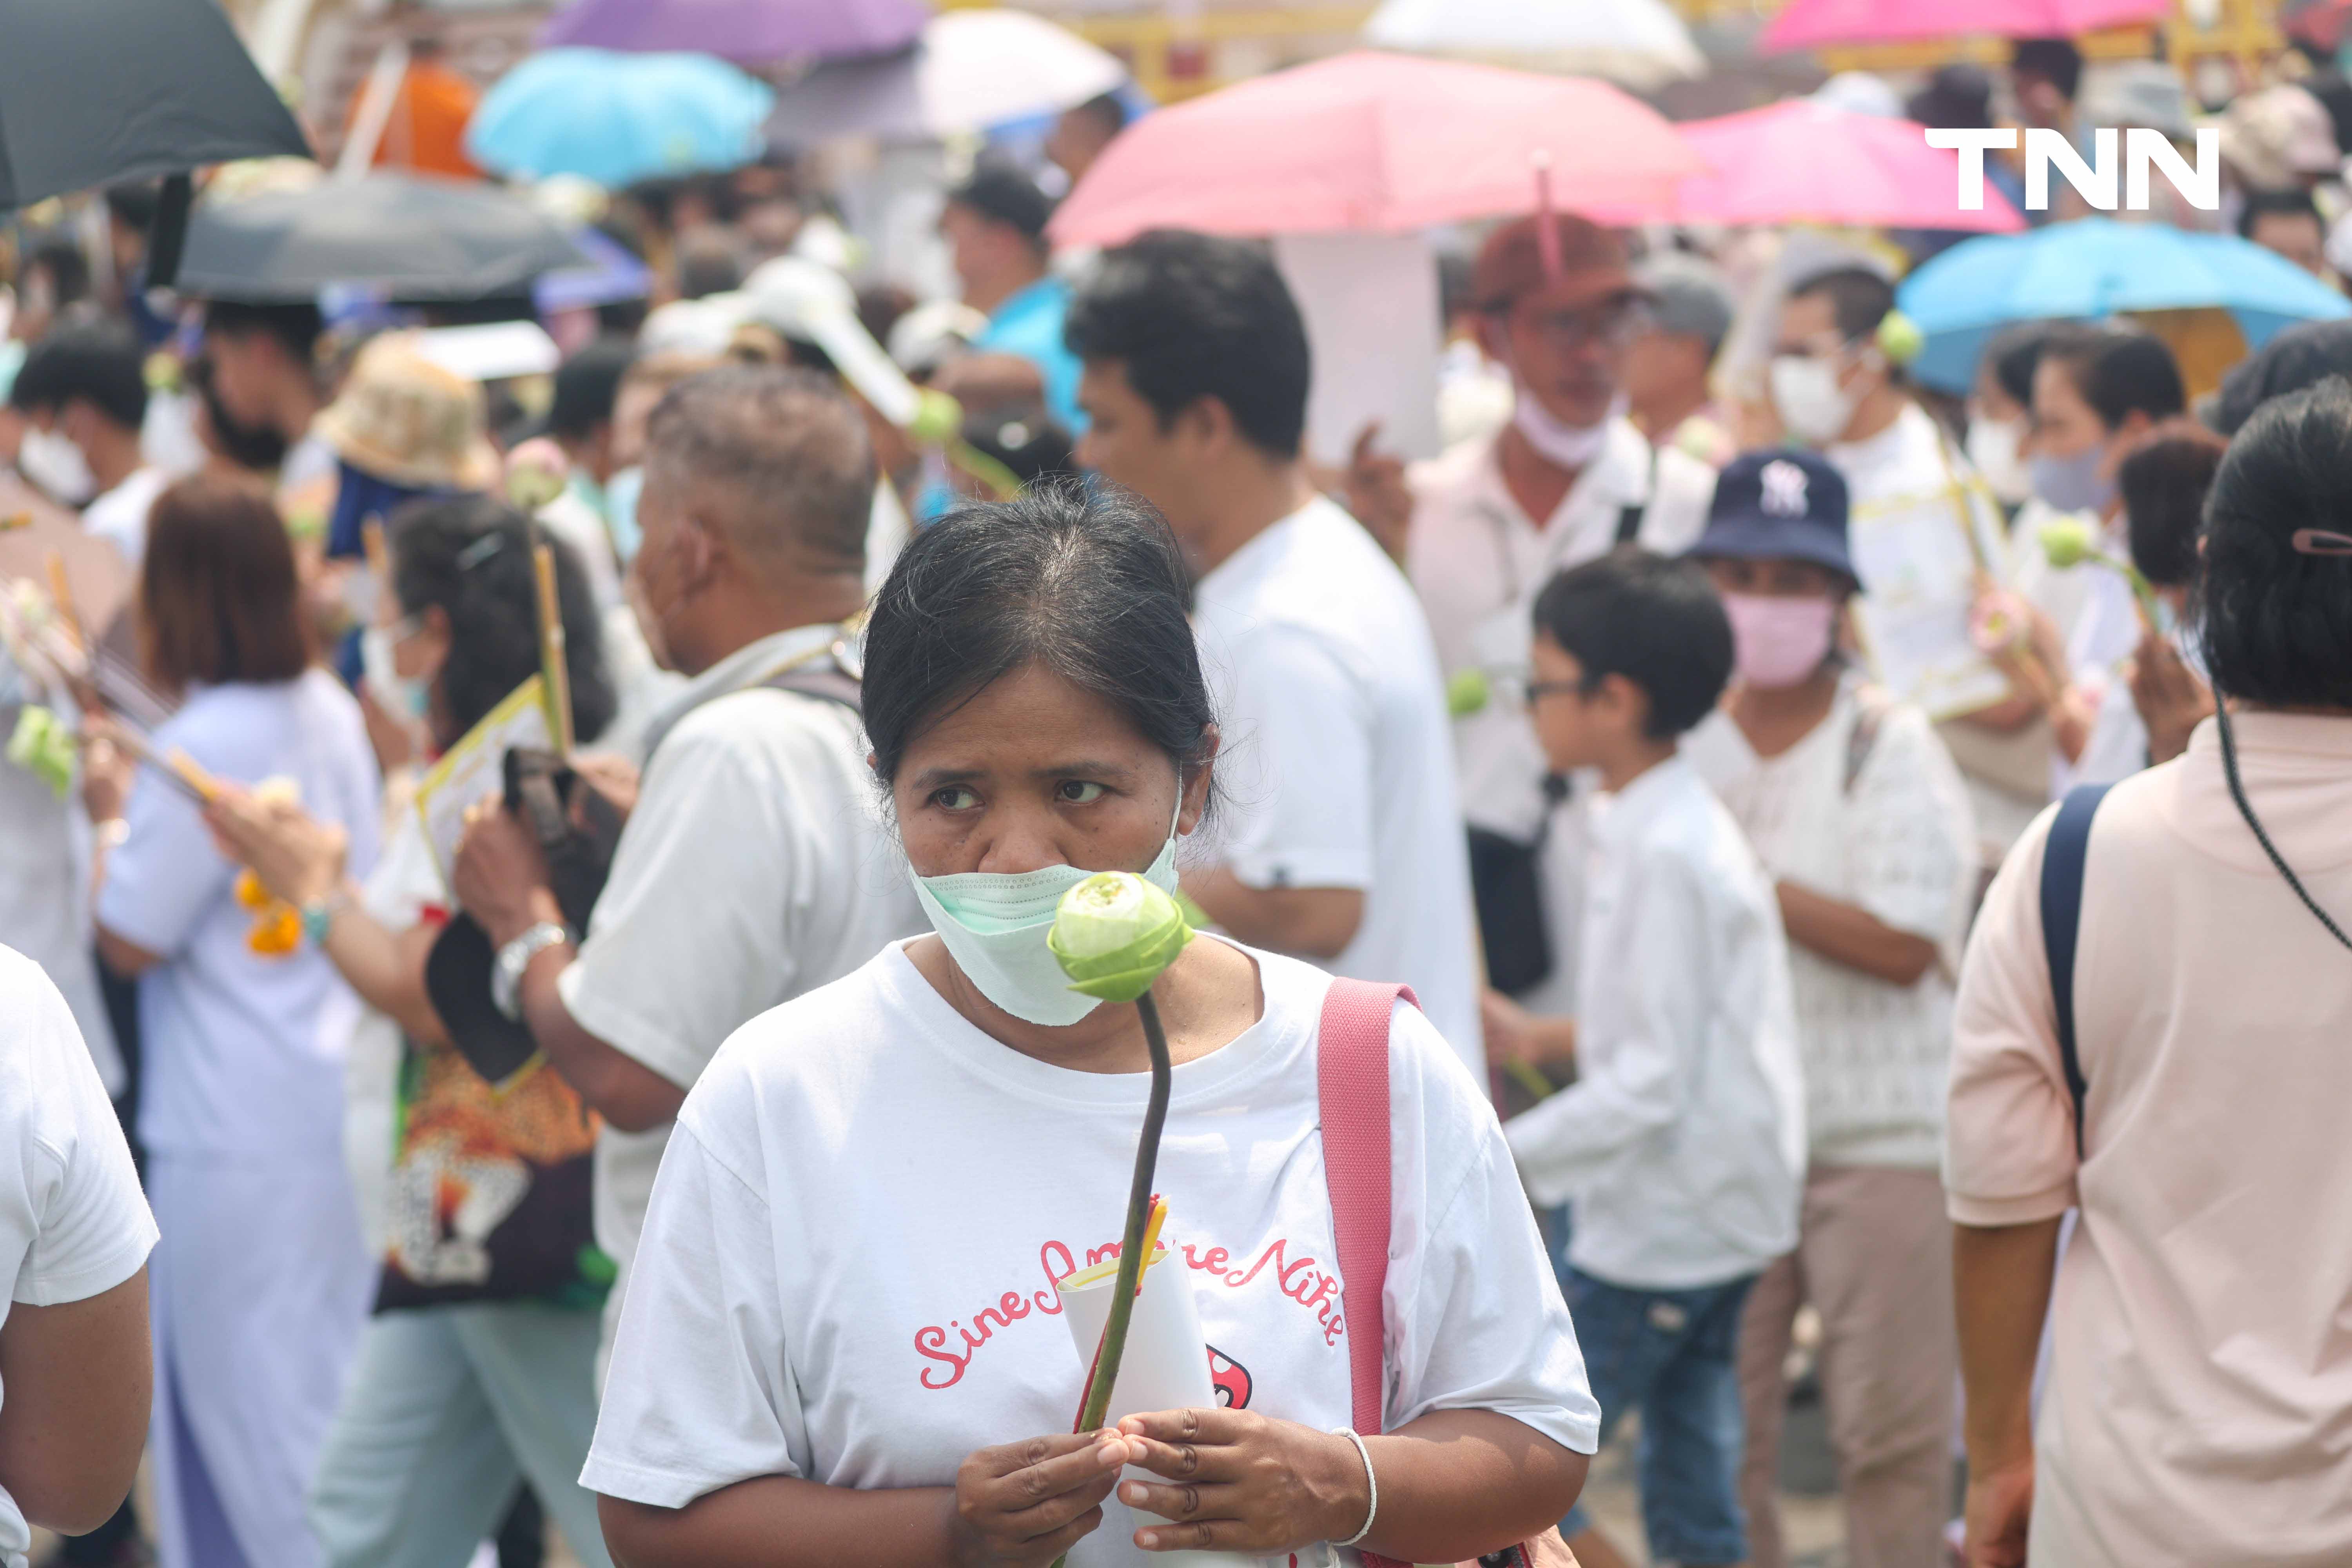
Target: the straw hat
(408, 421)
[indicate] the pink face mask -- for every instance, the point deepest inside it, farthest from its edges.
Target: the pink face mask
(1776, 639)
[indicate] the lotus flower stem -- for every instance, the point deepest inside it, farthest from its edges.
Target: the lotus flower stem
(1138, 1212)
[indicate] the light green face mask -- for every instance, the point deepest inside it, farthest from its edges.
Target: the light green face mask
(995, 925)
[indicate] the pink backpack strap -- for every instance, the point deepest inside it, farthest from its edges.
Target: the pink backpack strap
(1352, 1081)
(1353, 1073)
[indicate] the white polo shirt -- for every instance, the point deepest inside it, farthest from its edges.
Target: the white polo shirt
(1337, 770)
(755, 867)
(1478, 561)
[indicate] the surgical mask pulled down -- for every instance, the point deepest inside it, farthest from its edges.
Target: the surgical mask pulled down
(1778, 640)
(1811, 405)
(995, 925)
(2073, 484)
(1557, 442)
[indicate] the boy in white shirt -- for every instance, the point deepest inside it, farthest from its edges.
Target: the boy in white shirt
(1681, 1141)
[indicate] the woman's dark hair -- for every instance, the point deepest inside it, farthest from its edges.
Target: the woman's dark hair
(2119, 373)
(1085, 582)
(2301, 356)
(1653, 619)
(217, 597)
(2163, 484)
(2274, 622)
(469, 557)
(1190, 316)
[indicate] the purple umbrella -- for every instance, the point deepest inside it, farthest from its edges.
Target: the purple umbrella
(751, 32)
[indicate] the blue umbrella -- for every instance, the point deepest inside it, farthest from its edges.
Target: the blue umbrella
(2094, 268)
(617, 117)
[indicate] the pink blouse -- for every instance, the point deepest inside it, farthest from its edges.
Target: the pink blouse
(2200, 1401)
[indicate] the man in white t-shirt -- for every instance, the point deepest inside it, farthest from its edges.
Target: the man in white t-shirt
(88, 384)
(754, 866)
(74, 1238)
(1342, 839)
(1926, 533)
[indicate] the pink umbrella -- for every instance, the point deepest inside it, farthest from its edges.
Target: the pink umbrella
(1806, 161)
(1803, 24)
(1375, 141)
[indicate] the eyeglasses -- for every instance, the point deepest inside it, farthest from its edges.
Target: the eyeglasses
(1613, 324)
(1526, 690)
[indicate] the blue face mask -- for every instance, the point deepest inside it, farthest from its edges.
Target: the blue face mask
(995, 925)
(2073, 484)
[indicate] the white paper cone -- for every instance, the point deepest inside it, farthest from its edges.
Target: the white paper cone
(1165, 1367)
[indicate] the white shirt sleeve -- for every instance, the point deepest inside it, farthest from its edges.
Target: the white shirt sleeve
(700, 1394)
(687, 938)
(1637, 1082)
(89, 1226)
(1299, 730)
(1474, 1311)
(165, 876)
(1912, 836)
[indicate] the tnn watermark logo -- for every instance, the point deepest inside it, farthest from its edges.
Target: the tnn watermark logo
(2096, 181)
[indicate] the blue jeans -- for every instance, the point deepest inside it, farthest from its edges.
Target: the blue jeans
(1673, 1354)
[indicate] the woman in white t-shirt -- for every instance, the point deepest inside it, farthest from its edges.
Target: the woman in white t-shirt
(260, 1282)
(841, 1338)
(476, 1372)
(1855, 807)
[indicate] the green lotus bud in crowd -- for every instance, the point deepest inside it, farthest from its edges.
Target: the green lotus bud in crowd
(2071, 542)
(1467, 693)
(1114, 933)
(44, 747)
(535, 473)
(1899, 338)
(2068, 541)
(938, 418)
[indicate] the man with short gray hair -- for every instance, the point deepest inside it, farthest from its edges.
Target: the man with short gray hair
(754, 865)
(1667, 367)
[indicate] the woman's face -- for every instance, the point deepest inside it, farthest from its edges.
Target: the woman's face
(420, 648)
(1777, 578)
(1033, 771)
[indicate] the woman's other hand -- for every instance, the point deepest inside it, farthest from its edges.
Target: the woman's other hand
(1027, 1503)
(1239, 1482)
(298, 857)
(2170, 698)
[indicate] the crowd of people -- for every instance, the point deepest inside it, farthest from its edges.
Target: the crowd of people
(551, 876)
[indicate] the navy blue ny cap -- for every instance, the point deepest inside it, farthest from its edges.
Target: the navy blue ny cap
(1780, 505)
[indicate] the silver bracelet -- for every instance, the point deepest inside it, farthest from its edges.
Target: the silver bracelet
(1371, 1481)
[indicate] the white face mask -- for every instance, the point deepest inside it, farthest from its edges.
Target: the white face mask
(1811, 405)
(57, 466)
(402, 696)
(1992, 448)
(1563, 444)
(995, 925)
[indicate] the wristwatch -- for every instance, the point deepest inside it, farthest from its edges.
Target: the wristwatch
(505, 972)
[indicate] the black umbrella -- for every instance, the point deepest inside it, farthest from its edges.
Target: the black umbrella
(97, 92)
(414, 237)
